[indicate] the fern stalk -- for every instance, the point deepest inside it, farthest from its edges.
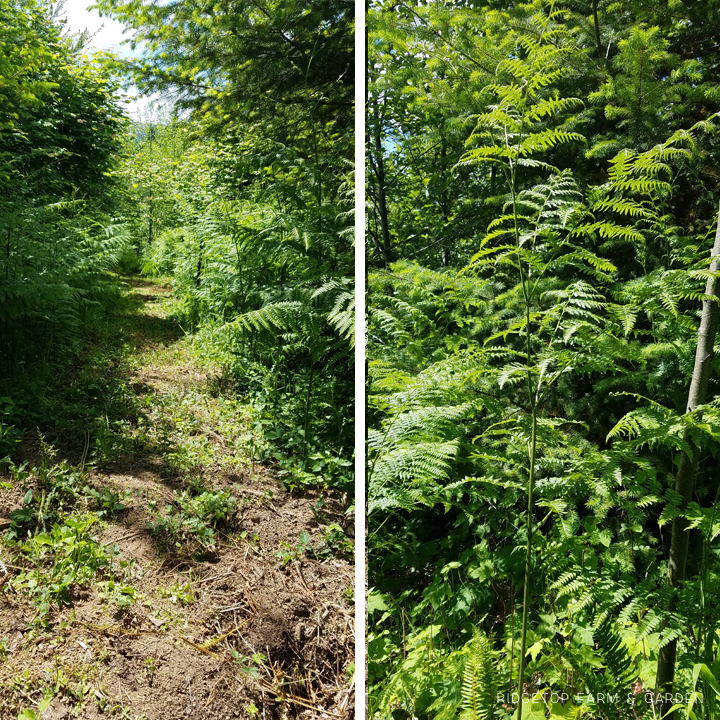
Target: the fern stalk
(510, 171)
(532, 399)
(528, 551)
(307, 406)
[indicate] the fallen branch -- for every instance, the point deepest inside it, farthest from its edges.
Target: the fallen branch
(294, 699)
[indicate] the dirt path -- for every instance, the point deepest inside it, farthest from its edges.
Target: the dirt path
(247, 614)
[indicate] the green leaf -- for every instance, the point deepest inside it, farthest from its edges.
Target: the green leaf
(376, 602)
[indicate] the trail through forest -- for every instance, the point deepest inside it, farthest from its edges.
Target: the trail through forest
(170, 574)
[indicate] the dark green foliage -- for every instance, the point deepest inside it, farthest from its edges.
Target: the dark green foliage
(528, 380)
(58, 246)
(269, 63)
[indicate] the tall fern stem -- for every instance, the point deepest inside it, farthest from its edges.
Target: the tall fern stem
(306, 422)
(528, 551)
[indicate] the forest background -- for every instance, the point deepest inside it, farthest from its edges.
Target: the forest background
(240, 193)
(543, 496)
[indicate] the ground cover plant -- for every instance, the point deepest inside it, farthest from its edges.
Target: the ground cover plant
(542, 391)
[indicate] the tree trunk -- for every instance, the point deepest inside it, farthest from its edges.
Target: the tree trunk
(596, 21)
(687, 470)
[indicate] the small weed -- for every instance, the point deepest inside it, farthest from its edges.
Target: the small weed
(131, 569)
(336, 543)
(29, 714)
(211, 507)
(9, 435)
(320, 469)
(150, 669)
(57, 490)
(246, 663)
(317, 511)
(107, 502)
(196, 485)
(289, 553)
(121, 595)
(253, 542)
(178, 594)
(193, 524)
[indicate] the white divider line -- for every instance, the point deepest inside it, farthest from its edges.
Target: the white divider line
(360, 583)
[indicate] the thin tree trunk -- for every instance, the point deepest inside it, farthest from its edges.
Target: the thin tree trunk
(687, 471)
(598, 41)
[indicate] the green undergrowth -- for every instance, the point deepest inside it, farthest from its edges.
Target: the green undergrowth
(54, 534)
(87, 402)
(98, 416)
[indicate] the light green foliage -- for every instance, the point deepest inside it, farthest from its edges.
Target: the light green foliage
(480, 680)
(63, 557)
(24, 48)
(121, 595)
(182, 594)
(290, 553)
(29, 714)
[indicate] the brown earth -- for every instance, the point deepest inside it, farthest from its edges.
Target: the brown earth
(184, 648)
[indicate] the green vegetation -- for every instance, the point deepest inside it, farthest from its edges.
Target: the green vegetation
(543, 503)
(176, 328)
(190, 524)
(59, 130)
(245, 210)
